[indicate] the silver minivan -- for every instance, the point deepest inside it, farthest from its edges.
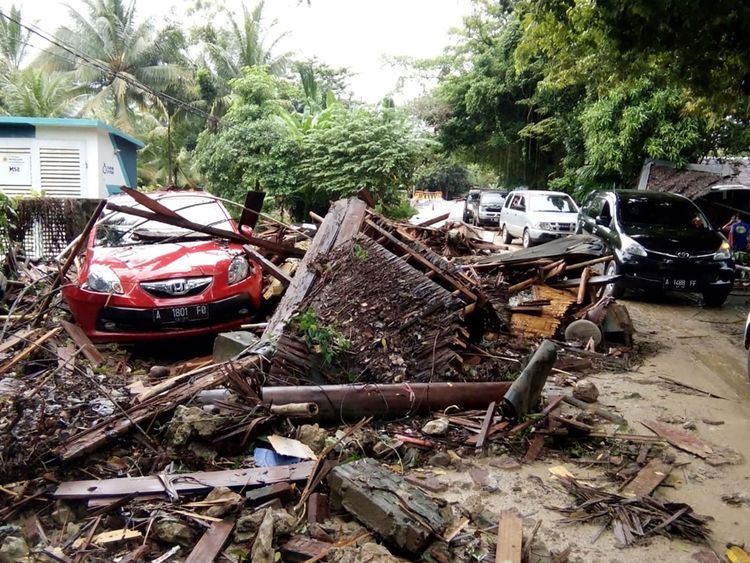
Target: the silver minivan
(537, 216)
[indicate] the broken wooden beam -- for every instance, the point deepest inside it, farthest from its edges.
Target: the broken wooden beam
(607, 415)
(302, 548)
(585, 275)
(268, 266)
(400, 513)
(83, 342)
(434, 220)
(337, 402)
(211, 543)
(183, 483)
(342, 222)
(485, 425)
(28, 350)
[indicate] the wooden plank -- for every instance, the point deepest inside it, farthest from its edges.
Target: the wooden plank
(325, 238)
(509, 538)
(434, 220)
(14, 339)
(84, 343)
(302, 548)
(554, 402)
(494, 429)
(260, 495)
(537, 443)
(585, 275)
(28, 350)
(184, 483)
(607, 415)
(485, 425)
(648, 479)
(679, 438)
(211, 542)
(268, 266)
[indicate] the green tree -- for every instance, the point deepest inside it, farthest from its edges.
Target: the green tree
(304, 161)
(35, 93)
(13, 39)
(445, 176)
(121, 60)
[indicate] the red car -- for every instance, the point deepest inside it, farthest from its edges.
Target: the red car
(143, 280)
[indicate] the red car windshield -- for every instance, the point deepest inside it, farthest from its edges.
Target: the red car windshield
(121, 229)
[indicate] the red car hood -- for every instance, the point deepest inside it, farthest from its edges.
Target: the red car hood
(162, 261)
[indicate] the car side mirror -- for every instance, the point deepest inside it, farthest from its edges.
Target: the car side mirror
(603, 221)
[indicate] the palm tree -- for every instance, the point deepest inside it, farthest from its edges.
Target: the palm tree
(32, 92)
(13, 39)
(120, 61)
(227, 50)
(244, 44)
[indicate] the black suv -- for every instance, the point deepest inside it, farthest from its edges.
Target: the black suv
(660, 241)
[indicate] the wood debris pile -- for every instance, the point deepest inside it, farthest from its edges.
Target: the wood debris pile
(634, 519)
(238, 459)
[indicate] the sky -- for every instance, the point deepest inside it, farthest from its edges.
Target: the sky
(357, 34)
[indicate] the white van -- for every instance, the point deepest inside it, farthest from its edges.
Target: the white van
(537, 216)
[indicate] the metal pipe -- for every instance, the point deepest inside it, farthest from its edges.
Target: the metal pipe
(352, 402)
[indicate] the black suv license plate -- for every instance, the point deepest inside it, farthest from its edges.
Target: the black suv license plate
(184, 314)
(681, 284)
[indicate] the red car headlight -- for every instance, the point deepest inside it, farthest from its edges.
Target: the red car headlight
(103, 279)
(239, 269)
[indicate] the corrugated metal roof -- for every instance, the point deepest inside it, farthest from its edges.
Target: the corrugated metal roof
(69, 122)
(696, 180)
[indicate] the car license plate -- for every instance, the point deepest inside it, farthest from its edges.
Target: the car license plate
(680, 284)
(184, 314)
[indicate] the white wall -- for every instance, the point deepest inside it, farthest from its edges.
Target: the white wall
(99, 162)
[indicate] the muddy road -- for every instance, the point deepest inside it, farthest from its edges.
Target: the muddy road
(680, 340)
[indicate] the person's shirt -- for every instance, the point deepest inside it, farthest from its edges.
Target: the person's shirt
(740, 232)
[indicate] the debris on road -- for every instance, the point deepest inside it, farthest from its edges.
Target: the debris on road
(398, 346)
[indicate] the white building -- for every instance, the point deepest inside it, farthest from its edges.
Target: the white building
(83, 158)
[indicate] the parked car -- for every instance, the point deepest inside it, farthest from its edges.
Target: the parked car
(489, 206)
(537, 216)
(143, 280)
(471, 206)
(660, 241)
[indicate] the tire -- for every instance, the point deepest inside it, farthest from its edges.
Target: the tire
(527, 242)
(467, 217)
(714, 297)
(507, 239)
(615, 289)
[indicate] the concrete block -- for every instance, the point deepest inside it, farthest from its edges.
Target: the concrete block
(228, 344)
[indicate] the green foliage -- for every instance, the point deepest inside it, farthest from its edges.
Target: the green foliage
(35, 93)
(573, 94)
(306, 159)
(445, 176)
(360, 252)
(322, 339)
(401, 210)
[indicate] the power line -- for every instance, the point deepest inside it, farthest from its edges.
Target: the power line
(98, 65)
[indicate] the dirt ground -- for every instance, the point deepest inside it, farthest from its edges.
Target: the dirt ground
(680, 340)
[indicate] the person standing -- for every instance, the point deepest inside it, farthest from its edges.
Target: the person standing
(738, 232)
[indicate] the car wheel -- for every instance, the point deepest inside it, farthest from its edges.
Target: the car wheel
(527, 242)
(715, 297)
(507, 239)
(615, 289)
(467, 217)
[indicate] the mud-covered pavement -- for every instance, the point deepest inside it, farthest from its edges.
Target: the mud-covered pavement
(679, 340)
